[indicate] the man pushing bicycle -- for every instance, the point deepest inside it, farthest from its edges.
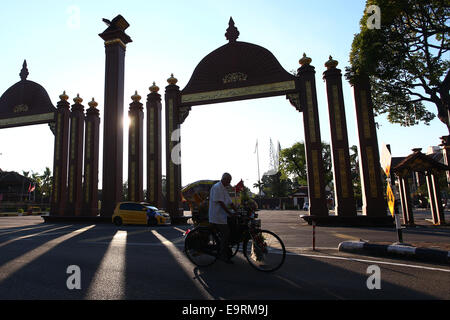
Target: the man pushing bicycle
(219, 204)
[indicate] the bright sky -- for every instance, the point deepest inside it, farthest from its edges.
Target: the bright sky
(59, 40)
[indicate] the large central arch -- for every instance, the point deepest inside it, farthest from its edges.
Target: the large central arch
(237, 71)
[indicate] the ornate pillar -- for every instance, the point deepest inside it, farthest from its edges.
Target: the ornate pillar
(434, 194)
(405, 200)
(173, 149)
(135, 150)
(115, 46)
(154, 150)
(75, 188)
(343, 188)
(374, 204)
(313, 144)
(91, 155)
(60, 157)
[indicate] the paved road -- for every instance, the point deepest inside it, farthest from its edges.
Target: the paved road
(134, 262)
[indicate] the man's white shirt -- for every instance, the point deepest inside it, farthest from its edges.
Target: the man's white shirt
(216, 213)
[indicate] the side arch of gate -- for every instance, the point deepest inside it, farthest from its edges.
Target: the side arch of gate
(28, 103)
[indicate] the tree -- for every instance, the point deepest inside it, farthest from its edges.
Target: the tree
(405, 60)
(276, 187)
(125, 191)
(46, 187)
(354, 170)
(259, 185)
(293, 163)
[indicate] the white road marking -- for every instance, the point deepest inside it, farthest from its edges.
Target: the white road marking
(178, 229)
(370, 261)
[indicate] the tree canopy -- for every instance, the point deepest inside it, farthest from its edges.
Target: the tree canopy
(406, 59)
(293, 163)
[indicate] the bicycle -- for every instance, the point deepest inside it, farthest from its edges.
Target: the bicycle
(263, 249)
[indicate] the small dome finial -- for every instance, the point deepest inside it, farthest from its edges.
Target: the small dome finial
(24, 72)
(232, 32)
(135, 97)
(64, 96)
(172, 79)
(92, 103)
(305, 60)
(331, 64)
(154, 87)
(77, 99)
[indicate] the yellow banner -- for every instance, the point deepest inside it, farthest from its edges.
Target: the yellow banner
(390, 198)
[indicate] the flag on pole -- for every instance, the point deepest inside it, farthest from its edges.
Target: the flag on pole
(31, 188)
(256, 146)
(239, 187)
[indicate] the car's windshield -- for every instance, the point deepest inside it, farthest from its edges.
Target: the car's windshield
(153, 208)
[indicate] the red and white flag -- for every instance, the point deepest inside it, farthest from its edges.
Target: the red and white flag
(239, 187)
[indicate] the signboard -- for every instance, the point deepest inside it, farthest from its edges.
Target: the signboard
(390, 198)
(385, 159)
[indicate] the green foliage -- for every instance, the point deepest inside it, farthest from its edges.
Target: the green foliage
(354, 169)
(274, 186)
(125, 191)
(43, 184)
(293, 166)
(405, 59)
(46, 183)
(293, 163)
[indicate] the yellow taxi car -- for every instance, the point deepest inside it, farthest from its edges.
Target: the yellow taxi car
(139, 213)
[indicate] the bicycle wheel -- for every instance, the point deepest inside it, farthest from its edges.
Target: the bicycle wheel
(201, 246)
(264, 251)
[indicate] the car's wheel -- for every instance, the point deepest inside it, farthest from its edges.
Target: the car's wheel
(118, 221)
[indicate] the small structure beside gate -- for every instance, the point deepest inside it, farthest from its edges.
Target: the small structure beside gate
(430, 168)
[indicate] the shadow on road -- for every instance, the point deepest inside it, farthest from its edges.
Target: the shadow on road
(149, 263)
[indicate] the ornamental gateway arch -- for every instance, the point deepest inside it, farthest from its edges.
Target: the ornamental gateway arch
(240, 70)
(235, 71)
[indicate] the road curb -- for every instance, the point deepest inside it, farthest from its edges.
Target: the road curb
(425, 254)
(13, 214)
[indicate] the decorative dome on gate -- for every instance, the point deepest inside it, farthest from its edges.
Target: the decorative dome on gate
(236, 64)
(25, 98)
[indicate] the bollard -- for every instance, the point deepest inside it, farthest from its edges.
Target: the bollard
(398, 226)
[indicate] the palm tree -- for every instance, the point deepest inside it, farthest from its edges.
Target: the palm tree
(260, 186)
(46, 179)
(36, 178)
